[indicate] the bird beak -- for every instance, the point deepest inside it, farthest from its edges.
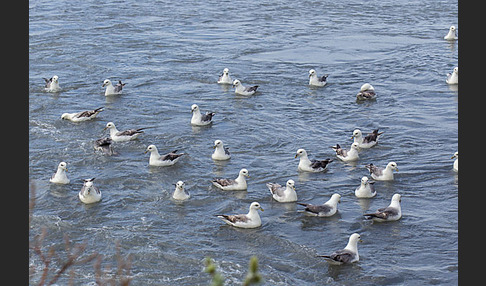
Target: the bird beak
(105, 128)
(214, 147)
(453, 157)
(396, 169)
(295, 156)
(145, 152)
(360, 240)
(103, 85)
(261, 209)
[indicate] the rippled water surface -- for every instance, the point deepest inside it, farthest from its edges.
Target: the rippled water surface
(170, 54)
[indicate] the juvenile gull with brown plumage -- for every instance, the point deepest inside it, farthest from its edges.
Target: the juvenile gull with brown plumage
(238, 184)
(250, 220)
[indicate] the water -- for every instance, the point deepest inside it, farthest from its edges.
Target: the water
(170, 54)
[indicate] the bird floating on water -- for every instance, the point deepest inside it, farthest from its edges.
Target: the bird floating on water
(367, 91)
(369, 140)
(52, 84)
(112, 90)
(60, 176)
(455, 165)
(453, 78)
(392, 212)
(315, 80)
(250, 220)
(238, 184)
(382, 174)
(283, 194)
(89, 193)
(120, 136)
(451, 35)
(221, 152)
(366, 189)
(314, 165)
(180, 193)
(82, 115)
(168, 159)
(327, 209)
(199, 119)
(225, 78)
(240, 89)
(347, 155)
(348, 254)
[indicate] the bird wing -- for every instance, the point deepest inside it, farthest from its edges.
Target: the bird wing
(235, 218)
(224, 182)
(315, 164)
(251, 88)
(316, 208)
(276, 189)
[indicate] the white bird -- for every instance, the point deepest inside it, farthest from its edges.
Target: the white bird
(126, 135)
(220, 152)
(89, 193)
(156, 159)
(283, 194)
(307, 165)
(368, 141)
(366, 189)
(367, 91)
(238, 184)
(82, 115)
(382, 174)
(455, 166)
(199, 119)
(179, 192)
(451, 35)
(225, 78)
(347, 255)
(315, 80)
(250, 220)
(112, 90)
(453, 78)
(390, 213)
(347, 155)
(60, 177)
(52, 84)
(240, 89)
(327, 209)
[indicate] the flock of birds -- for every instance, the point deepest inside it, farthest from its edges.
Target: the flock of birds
(89, 193)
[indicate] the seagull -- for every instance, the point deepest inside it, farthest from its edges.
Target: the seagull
(315, 80)
(368, 141)
(382, 174)
(168, 159)
(126, 135)
(225, 78)
(366, 189)
(199, 119)
(283, 194)
(327, 209)
(89, 193)
(52, 84)
(220, 152)
(390, 213)
(179, 192)
(311, 165)
(240, 89)
(82, 115)
(367, 91)
(238, 184)
(451, 35)
(249, 220)
(453, 78)
(347, 255)
(60, 176)
(104, 145)
(347, 155)
(455, 167)
(110, 89)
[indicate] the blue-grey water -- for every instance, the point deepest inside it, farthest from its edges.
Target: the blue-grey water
(170, 54)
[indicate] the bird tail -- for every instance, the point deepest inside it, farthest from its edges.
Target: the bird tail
(99, 109)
